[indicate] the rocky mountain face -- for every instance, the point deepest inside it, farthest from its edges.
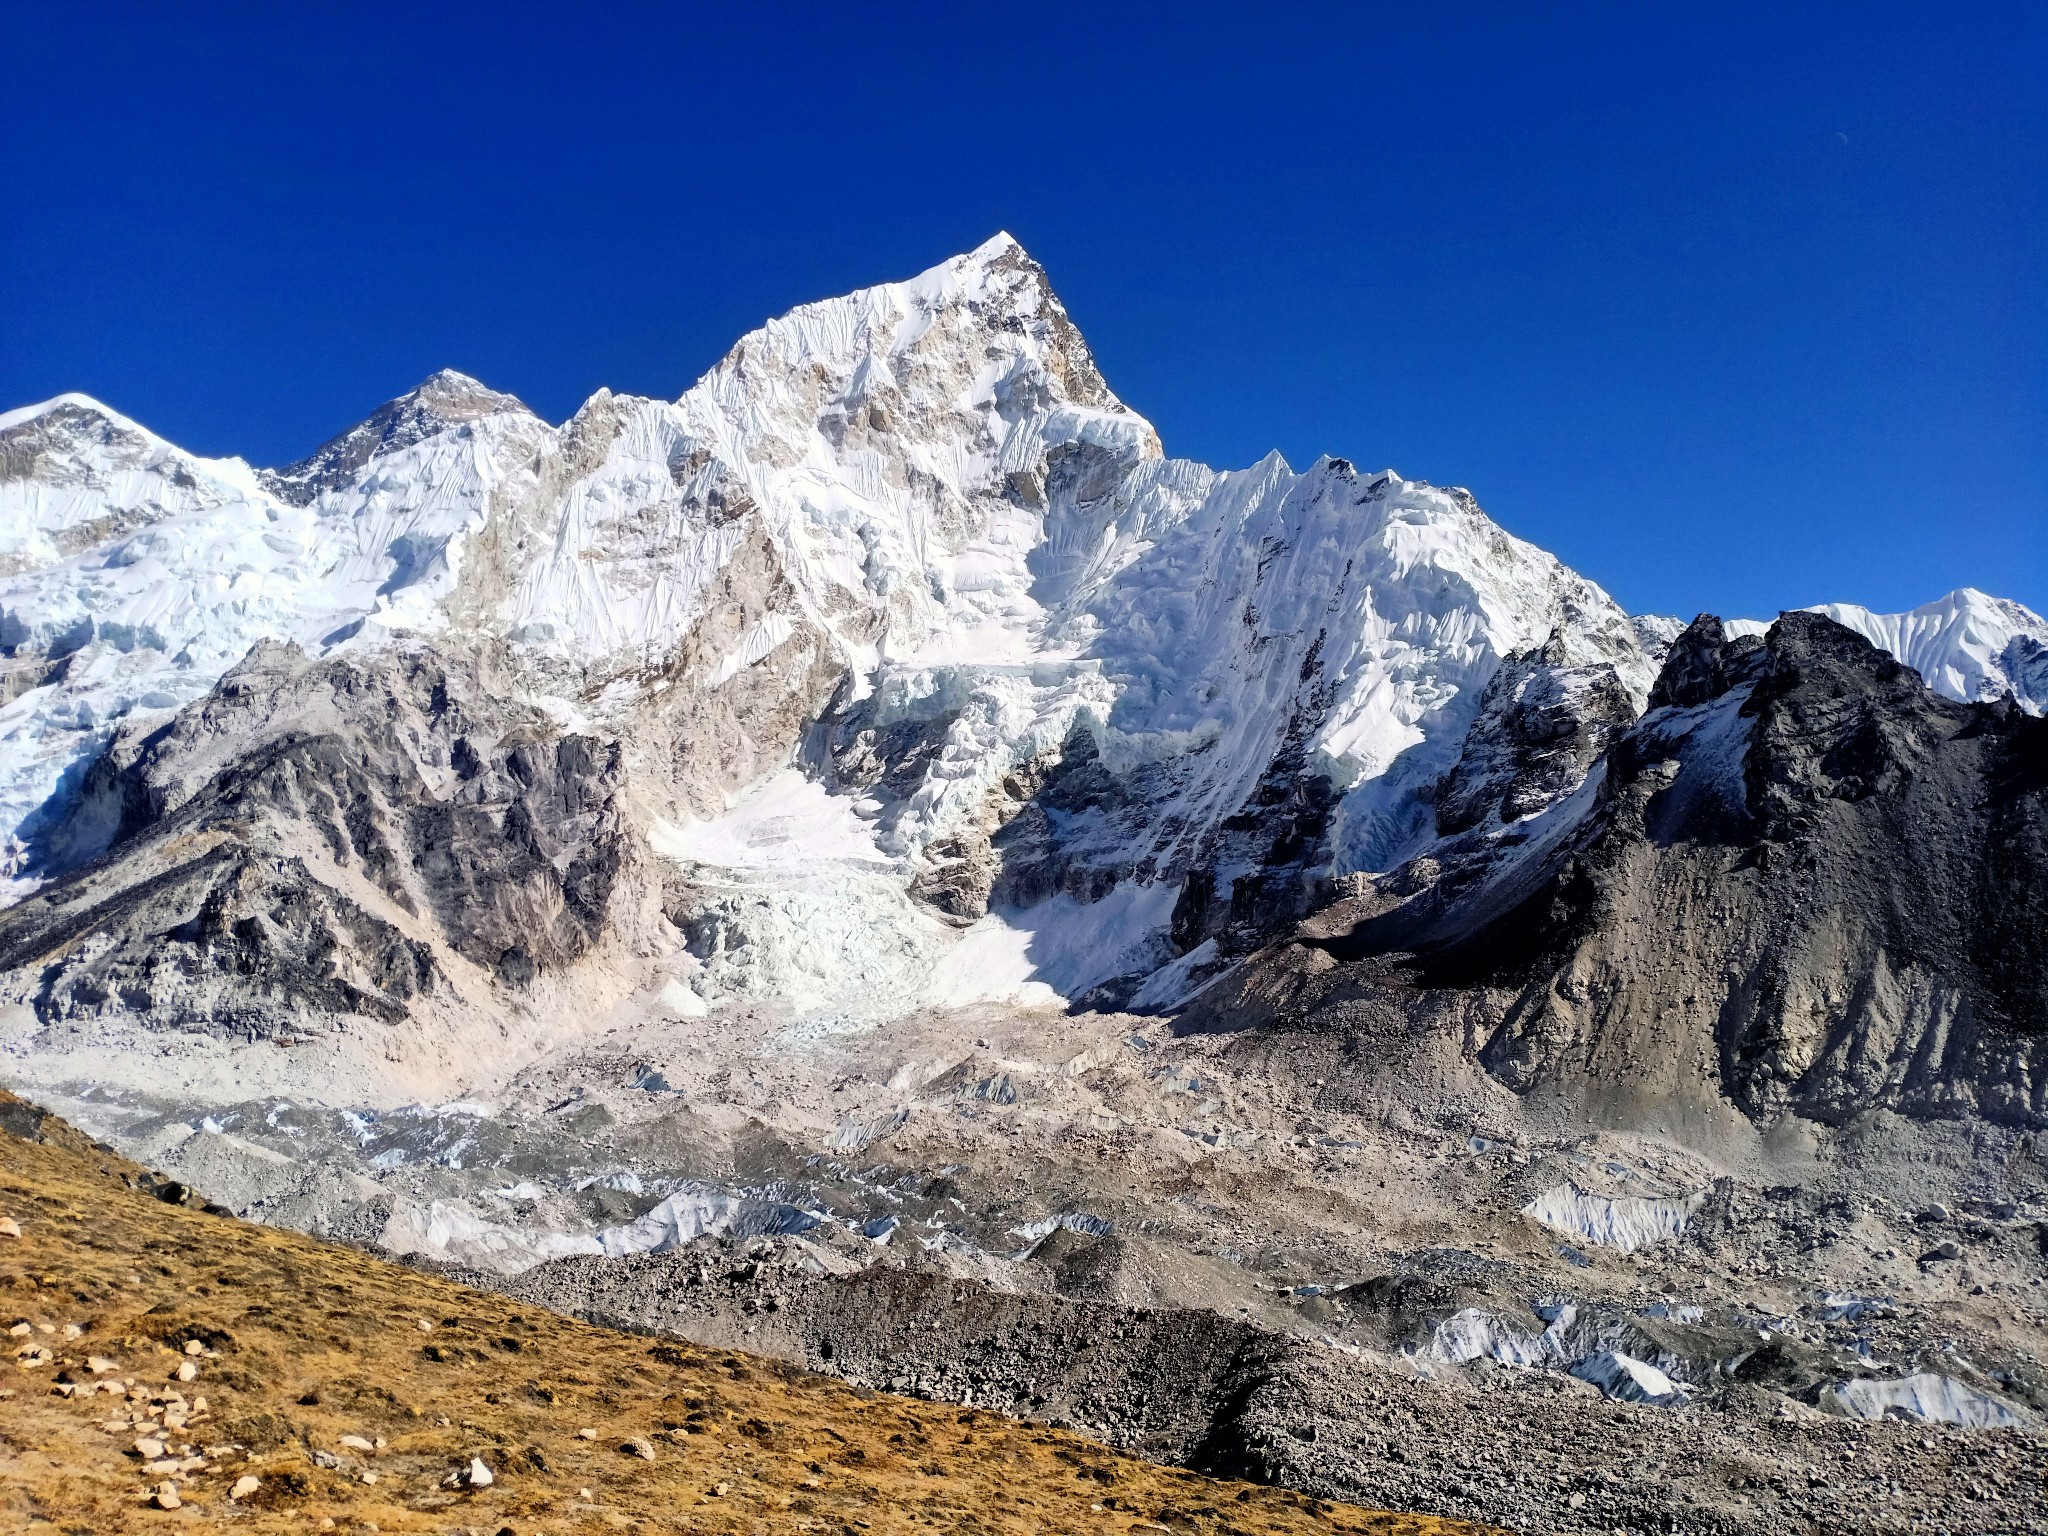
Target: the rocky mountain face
(1541, 726)
(1803, 882)
(314, 840)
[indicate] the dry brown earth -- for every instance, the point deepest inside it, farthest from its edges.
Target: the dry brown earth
(162, 1355)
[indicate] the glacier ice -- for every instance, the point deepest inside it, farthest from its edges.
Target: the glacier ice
(1623, 1222)
(1925, 1397)
(695, 1210)
(1629, 1380)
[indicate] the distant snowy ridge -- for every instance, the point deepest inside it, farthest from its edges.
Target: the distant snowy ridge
(1096, 706)
(1969, 645)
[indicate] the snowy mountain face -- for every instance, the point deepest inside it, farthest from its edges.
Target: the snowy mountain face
(139, 574)
(934, 680)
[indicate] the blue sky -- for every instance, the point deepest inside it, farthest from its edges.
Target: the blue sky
(1733, 308)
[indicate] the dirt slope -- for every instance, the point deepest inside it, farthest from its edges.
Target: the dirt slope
(163, 1355)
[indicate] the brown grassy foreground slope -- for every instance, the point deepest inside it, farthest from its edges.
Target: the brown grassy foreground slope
(162, 1356)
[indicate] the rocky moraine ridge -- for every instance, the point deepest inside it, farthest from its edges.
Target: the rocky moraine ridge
(873, 862)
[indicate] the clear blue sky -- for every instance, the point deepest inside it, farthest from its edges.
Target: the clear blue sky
(1732, 308)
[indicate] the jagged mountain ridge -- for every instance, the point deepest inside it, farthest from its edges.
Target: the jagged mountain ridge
(919, 504)
(908, 541)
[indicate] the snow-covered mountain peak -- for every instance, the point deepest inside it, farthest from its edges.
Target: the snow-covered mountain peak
(72, 436)
(998, 244)
(75, 473)
(447, 399)
(889, 456)
(992, 310)
(81, 405)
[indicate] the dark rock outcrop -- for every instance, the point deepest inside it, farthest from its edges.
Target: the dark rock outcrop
(1074, 836)
(1807, 883)
(1278, 838)
(1704, 663)
(1541, 725)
